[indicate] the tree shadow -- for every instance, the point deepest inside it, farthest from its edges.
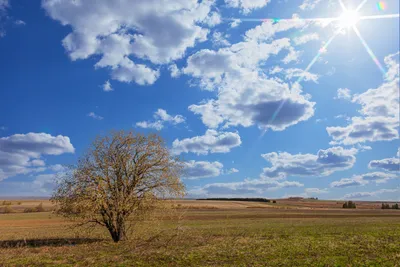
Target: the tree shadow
(53, 242)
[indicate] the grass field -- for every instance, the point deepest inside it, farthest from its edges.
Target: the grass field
(214, 233)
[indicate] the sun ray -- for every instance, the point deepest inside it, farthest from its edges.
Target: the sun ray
(342, 5)
(369, 51)
(388, 16)
(273, 117)
(349, 19)
(361, 5)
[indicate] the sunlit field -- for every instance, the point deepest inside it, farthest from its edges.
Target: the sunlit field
(214, 233)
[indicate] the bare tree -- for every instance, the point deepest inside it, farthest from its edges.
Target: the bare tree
(122, 177)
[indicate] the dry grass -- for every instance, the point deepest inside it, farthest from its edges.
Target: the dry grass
(234, 234)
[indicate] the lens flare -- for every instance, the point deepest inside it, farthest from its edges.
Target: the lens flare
(349, 18)
(381, 5)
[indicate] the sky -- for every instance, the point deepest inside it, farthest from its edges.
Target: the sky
(260, 98)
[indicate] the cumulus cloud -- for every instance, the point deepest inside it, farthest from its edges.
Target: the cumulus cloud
(388, 164)
(305, 38)
(161, 117)
(256, 187)
(202, 169)
(379, 120)
(324, 163)
(95, 116)
(211, 142)
(235, 23)
(246, 95)
(363, 179)
(343, 93)
(292, 56)
(232, 170)
(4, 5)
(22, 153)
(175, 71)
(156, 32)
(107, 87)
(246, 6)
(19, 22)
(359, 195)
(309, 4)
(299, 73)
(317, 191)
(348, 182)
(220, 39)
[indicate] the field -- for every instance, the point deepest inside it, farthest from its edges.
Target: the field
(213, 233)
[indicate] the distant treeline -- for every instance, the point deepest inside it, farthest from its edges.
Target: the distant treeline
(238, 199)
(387, 206)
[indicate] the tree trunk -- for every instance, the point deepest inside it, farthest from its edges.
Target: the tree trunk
(119, 233)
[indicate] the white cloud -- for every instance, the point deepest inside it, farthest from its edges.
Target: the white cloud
(363, 179)
(379, 120)
(247, 6)
(310, 191)
(343, 93)
(305, 38)
(299, 73)
(95, 116)
(232, 170)
(253, 188)
(235, 23)
(292, 56)
(348, 182)
(4, 5)
(324, 163)
(211, 142)
(157, 32)
(21, 153)
(219, 39)
(359, 195)
(175, 72)
(309, 4)
(246, 95)
(202, 169)
(161, 117)
(107, 87)
(388, 164)
(213, 19)
(19, 22)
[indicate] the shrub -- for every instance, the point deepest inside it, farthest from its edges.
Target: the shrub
(40, 208)
(29, 210)
(7, 209)
(6, 203)
(395, 206)
(349, 205)
(274, 201)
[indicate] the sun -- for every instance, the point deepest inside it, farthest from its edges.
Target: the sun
(348, 19)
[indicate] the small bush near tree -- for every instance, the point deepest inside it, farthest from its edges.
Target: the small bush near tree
(349, 205)
(274, 201)
(7, 209)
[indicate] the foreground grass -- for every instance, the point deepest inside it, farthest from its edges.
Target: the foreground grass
(210, 238)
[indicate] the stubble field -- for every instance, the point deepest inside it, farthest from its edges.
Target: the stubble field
(212, 233)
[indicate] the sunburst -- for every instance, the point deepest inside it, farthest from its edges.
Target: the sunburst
(346, 21)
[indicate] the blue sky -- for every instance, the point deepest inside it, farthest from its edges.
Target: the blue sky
(227, 83)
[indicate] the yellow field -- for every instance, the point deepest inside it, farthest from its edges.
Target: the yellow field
(213, 233)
